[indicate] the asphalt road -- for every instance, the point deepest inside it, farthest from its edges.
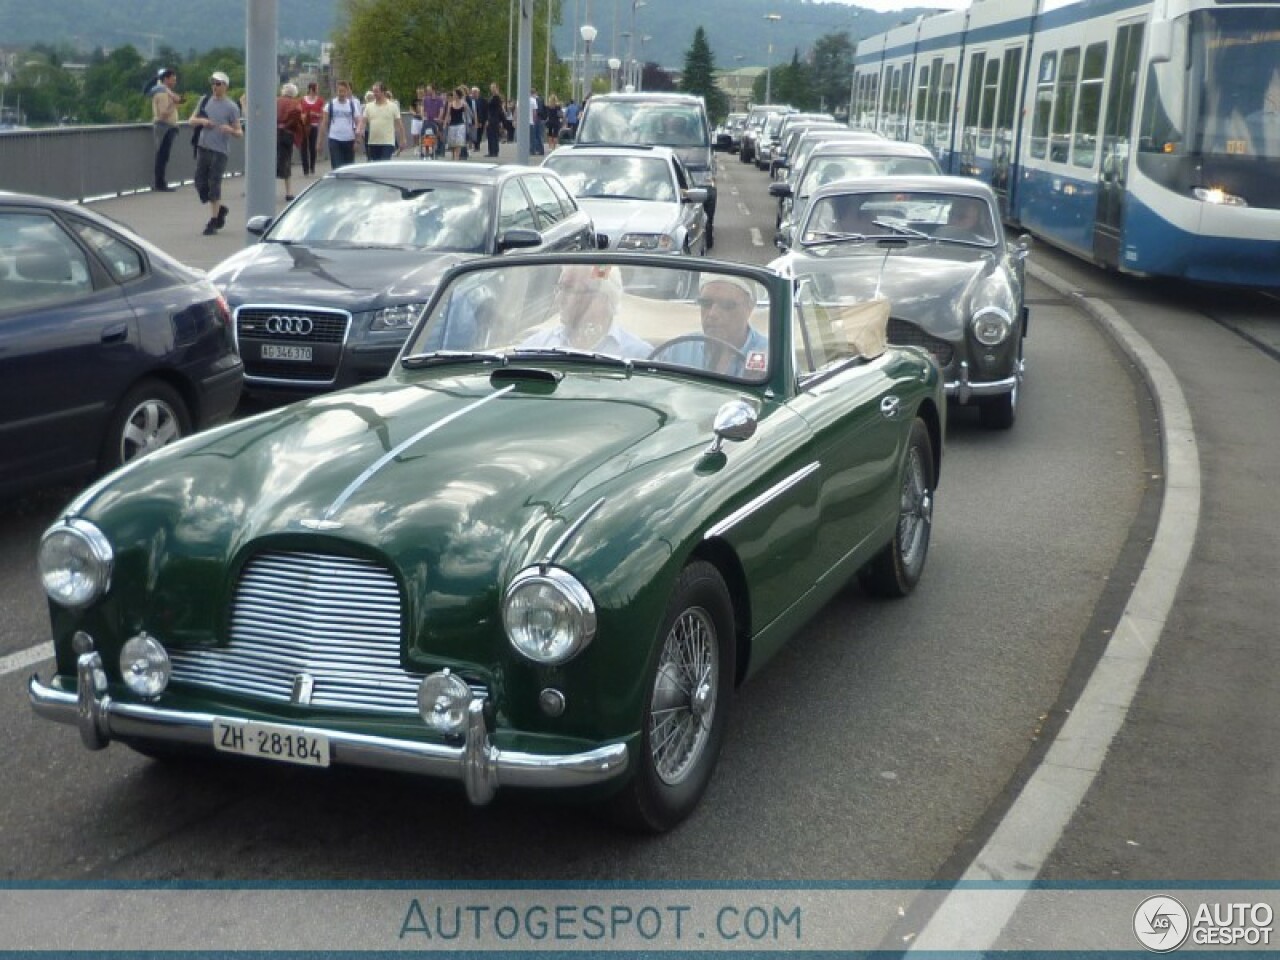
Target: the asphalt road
(880, 745)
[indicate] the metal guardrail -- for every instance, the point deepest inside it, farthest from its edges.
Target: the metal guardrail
(85, 163)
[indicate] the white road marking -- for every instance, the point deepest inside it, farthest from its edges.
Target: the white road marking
(756, 239)
(744, 209)
(25, 658)
(1032, 826)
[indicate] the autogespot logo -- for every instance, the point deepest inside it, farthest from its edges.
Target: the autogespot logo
(1161, 924)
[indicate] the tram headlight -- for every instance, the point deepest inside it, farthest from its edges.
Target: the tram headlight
(1219, 196)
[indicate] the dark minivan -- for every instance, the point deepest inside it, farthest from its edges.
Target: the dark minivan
(109, 348)
(675, 120)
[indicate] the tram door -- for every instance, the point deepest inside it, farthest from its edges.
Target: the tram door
(1114, 166)
(1004, 148)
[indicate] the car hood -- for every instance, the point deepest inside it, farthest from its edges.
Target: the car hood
(354, 279)
(695, 158)
(616, 217)
(931, 285)
(454, 481)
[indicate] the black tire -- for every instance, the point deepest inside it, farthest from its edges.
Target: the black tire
(151, 415)
(999, 413)
(670, 779)
(895, 570)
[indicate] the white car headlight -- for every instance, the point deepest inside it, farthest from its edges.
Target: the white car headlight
(991, 326)
(402, 317)
(549, 616)
(645, 241)
(75, 563)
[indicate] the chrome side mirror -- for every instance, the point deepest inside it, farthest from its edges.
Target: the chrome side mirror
(735, 421)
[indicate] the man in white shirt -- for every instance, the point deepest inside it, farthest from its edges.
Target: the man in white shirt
(341, 127)
(588, 297)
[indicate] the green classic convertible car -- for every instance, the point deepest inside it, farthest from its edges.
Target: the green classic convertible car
(542, 552)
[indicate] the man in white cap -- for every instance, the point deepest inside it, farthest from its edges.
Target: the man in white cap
(219, 119)
(588, 296)
(730, 345)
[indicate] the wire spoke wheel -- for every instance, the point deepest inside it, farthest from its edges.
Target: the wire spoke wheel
(684, 696)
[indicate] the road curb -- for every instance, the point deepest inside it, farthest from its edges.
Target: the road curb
(969, 917)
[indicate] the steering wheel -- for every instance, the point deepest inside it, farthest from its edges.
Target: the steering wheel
(715, 342)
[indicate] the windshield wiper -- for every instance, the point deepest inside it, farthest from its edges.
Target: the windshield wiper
(902, 228)
(826, 236)
(573, 352)
(452, 356)
(406, 193)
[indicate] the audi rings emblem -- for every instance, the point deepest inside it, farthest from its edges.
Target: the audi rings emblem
(290, 326)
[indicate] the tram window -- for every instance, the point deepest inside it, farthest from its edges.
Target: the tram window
(1084, 149)
(973, 95)
(1064, 105)
(945, 112)
(922, 99)
(989, 88)
(904, 103)
(1008, 99)
(1043, 105)
(1164, 106)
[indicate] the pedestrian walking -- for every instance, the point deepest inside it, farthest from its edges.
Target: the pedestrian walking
(537, 117)
(164, 124)
(495, 111)
(342, 125)
(291, 132)
(313, 111)
(555, 120)
(458, 123)
(383, 125)
(218, 118)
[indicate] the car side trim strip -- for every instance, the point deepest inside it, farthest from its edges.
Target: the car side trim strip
(752, 506)
(569, 534)
(391, 454)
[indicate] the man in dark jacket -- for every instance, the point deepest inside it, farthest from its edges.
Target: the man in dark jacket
(493, 112)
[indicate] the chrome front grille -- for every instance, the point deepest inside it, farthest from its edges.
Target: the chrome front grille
(325, 326)
(903, 333)
(336, 619)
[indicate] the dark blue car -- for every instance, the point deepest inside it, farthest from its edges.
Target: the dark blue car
(109, 348)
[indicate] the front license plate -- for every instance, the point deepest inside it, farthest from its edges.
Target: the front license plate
(271, 351)
(272, 741)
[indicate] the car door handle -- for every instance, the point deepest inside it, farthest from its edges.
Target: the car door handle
(889, 407)
(116, 333)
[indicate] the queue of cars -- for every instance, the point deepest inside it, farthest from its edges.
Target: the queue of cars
(581, 483)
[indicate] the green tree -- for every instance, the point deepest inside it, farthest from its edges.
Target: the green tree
(792, 84)
(832, 70)
(700, 76)
(409, 42)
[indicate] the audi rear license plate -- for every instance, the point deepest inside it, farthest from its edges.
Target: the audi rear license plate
(271, 351)
(272, 741)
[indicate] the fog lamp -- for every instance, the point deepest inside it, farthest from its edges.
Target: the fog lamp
(144, 664)
(442, 702)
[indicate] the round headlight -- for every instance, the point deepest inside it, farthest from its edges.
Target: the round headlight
(991, 325)
(75, 563)
(549, 615)
(144, 664)
(442, 702)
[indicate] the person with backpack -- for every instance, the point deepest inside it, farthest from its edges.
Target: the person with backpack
(341, 126)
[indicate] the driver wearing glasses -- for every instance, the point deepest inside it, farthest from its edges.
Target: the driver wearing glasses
(729, 345)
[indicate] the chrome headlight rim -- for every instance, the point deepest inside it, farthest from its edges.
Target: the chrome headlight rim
(1003, 326)
(99, 551)
(572, 592)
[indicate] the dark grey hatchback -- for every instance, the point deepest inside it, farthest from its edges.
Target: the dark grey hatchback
(109, 348)
(327, 297)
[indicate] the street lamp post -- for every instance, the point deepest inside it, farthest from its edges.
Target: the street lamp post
(631, 43)
(614, 64)
(768, 70)
(588, 37)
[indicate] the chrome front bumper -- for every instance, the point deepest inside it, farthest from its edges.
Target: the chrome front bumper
(962, 388)
(474, 760)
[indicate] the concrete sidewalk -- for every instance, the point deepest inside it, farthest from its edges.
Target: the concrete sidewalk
(174, 221)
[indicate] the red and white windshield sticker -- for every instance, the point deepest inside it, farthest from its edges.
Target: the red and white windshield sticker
(757, 362)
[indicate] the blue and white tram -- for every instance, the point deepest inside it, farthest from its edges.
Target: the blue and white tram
(1143, 135)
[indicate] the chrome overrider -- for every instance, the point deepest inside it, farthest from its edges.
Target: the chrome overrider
(963, 388)
(472, 758)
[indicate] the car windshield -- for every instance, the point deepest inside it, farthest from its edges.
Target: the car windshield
(626, 121)
(929, 216)
(680, 319)
(829, 169)
(364, 212)
(613, 177)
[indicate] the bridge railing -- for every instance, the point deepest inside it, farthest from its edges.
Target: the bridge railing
(84, 163)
